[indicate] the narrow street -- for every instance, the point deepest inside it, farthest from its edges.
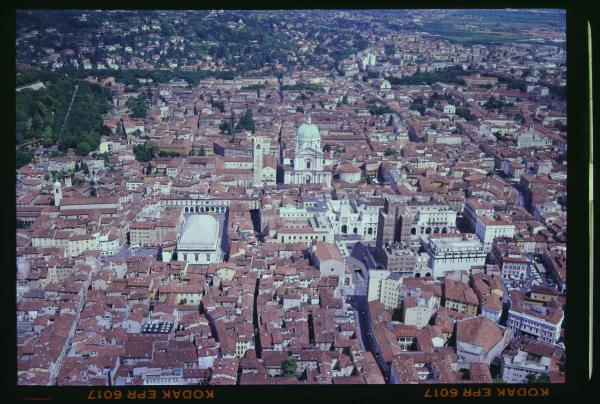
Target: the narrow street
(67, 345)
(359, 301)
(69, 109)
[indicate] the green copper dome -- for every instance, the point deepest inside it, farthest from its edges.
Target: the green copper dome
(308, 131)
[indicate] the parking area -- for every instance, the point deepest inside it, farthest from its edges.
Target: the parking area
(125, 252)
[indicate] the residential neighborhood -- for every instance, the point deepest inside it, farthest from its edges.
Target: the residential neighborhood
(251, 197)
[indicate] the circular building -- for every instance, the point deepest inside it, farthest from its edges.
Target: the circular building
(198, 242)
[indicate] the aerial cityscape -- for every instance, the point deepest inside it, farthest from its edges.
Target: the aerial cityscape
(222, 197)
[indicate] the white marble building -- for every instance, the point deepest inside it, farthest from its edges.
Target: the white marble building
(349, 217)
(308, 167)
(199, 241)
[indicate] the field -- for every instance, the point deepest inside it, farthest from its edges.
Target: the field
(487, 27)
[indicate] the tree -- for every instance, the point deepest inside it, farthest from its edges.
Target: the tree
(290, 366)
(390, 152)
(379, 110)
(417, 105)
(93, 191)
(23, 158)
(560, 126)
(247, 121)
(225, 128)
(519, 118)
(120, 131)
(494, 103)
(447, 75)
(146, 152)
(228, 127)
(21, 224)
(389, 50)
(41, 114)
(83, 149)
(48, 136)
(464, 112)
(137, 106)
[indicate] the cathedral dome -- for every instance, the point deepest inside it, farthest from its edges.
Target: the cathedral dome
(308, 131)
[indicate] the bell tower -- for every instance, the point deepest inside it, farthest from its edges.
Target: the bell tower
(258, 162)
(57, 193)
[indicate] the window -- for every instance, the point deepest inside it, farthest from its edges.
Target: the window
(208, 257)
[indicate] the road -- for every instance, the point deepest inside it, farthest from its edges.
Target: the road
(359, 301)
(359, 280)
(521, 199)
(80, 305)
(69, 109)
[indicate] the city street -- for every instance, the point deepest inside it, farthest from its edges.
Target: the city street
(359, 302)
(284, 184)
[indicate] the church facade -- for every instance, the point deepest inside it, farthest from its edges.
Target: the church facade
(308, 165)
